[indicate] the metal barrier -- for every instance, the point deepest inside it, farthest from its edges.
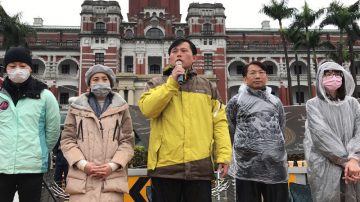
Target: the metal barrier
(51, 192)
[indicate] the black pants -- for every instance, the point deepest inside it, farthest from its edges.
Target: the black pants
(27, 185)
(173, 190)
(251, 191)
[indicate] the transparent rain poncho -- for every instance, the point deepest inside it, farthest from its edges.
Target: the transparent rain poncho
(332, 136)
(257, 120)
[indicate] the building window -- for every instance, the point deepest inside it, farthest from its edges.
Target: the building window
(180, 33)
(35, 68)
(129, 64)
(210, 42)
(270, 69)
(208, 62)
(154, 33)
(99, 58)
(100, 26)
(126, 95)
(298, 69)
(300, 97)
(129, 34)
(64, 98)
(239, 69)
(155, 64)
(154, 69)
(205, 42)
(207, 29)
(65, 69)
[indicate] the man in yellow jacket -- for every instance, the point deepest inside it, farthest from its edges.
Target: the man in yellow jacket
(187, 118)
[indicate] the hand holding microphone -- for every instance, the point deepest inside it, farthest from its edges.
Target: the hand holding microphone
(178, 72)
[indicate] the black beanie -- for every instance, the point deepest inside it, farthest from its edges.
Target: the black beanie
(17, 54)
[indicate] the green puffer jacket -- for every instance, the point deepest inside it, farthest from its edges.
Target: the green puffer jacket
(28, 131)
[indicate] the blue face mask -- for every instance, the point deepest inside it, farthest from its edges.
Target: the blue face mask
(100, 89)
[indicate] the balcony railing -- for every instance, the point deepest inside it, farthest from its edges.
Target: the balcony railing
(54, 45)
(99, 31)
(207, 33)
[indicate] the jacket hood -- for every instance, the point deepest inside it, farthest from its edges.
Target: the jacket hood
(349, 81)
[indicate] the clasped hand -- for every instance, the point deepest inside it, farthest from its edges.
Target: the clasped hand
(94, 170)
(352, 171)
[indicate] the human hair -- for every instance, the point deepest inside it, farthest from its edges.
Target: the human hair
(341, 92)
(257, 63)
(177, 42)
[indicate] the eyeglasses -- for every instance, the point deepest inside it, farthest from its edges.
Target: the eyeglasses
(254, 73)
(333, 73)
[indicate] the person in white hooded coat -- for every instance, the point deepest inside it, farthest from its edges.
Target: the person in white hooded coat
(332, 137)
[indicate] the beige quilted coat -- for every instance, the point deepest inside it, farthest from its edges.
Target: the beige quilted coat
(108, 138)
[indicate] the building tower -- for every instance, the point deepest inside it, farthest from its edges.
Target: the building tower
(99, 36)
(206, 24)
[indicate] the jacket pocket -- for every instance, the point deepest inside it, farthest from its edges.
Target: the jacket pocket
(153, 154)
(116, 182)
(75, 182)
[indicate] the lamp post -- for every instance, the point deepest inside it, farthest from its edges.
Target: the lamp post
(297, 67)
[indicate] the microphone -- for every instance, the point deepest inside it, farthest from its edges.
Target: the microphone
(180, 78)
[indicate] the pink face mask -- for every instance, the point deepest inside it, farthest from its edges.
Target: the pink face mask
(332, 83)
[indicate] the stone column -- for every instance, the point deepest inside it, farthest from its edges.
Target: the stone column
(121, 92)
(131, 97)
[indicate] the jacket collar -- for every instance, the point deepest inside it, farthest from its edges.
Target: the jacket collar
(31, 88)
(118, 104)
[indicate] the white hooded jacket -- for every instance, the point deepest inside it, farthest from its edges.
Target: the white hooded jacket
(332, 137)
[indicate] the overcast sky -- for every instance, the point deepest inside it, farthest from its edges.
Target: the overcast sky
(240, 13)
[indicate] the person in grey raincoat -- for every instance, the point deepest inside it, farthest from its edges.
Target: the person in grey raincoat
(332, 137)
(257, 121)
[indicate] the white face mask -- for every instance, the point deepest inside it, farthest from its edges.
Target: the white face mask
(100, 89)
(18, 75)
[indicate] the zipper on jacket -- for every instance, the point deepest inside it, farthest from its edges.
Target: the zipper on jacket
(101, 129)
(80, 129)
(116, 126)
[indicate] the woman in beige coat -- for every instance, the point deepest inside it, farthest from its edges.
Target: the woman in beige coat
(98, 141)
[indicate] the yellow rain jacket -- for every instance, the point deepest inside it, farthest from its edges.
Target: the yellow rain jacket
(185, 122)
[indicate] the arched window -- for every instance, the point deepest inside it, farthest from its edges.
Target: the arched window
(154, 33)
(129, 34)
(180, 33)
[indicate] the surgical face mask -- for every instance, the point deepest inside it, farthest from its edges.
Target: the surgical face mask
(100, 89)
(18, 75)
(332, 83)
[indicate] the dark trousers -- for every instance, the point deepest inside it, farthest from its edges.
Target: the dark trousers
(174, 190)
(251, 191)
(61, 168)
(60, 171)
(27, 185)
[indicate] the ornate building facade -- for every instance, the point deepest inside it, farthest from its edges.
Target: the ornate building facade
(137, 49)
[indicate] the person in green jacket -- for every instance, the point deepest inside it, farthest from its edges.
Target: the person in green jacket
(187, 119)
(29, 128)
